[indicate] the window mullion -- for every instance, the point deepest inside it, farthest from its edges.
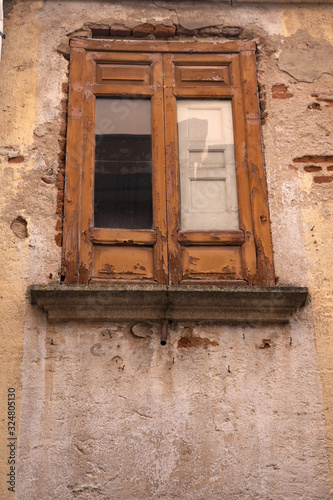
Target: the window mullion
(159, 201)
(172, 175)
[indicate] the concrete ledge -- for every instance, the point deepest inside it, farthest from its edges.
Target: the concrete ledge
(228, 304)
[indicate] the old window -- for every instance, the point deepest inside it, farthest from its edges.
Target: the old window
(165, 181)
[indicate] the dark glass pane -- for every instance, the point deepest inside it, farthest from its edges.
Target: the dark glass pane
(123, 164)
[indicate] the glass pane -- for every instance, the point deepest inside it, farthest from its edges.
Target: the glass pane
(208, 188)
(123, 164)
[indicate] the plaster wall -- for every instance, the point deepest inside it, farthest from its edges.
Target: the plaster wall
(106, 411)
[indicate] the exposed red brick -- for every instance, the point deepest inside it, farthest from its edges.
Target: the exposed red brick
(314, 159)
(322, 179)
(143, 30)
(196, 342)
(282, 95)
(99, 30)
(58, 225)
(16, 159)
(279, 91)
(163, 31)
(312, 168)
(61, 175)
(263, 117)
(59, 208)
(120, 30)
(330, 168)
(185, 32)
(60, 197)
(328, 102)
(61, 185)
(211, 31)
(61, 155)
(231, 31)
(63, 130)
(63, 104)
(279, 88)
(64, 87)
(58, 239)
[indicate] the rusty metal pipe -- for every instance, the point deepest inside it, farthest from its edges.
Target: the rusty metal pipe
(164, 333)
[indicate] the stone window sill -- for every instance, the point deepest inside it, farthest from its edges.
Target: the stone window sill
(226, 304)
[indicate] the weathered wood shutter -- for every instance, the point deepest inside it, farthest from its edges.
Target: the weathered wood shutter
(168, 73)
(217, 256)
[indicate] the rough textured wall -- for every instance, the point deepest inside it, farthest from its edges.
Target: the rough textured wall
(108, 413)
(18, 94)
(299, 145)
(315, 181)
(215, 415)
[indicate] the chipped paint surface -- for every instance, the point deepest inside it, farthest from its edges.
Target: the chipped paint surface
(316, 188)
(318, 26)
(221, 411)
(20, 186)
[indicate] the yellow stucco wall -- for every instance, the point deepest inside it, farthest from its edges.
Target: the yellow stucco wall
(317, 23)
(18, 75)
(317, 214)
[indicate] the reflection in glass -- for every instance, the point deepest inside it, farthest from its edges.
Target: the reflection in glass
(123, 164)
(208, 188)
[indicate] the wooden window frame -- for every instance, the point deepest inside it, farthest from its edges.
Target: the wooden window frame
(165, 255)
